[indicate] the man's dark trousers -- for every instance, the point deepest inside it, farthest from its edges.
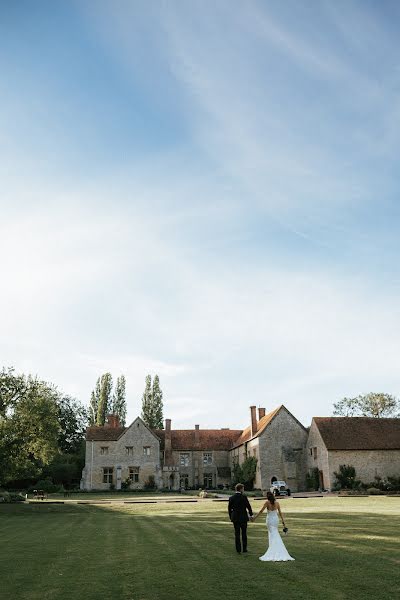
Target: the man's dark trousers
(240, 527)
(239, 509)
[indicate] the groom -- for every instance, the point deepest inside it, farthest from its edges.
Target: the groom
(238, 507)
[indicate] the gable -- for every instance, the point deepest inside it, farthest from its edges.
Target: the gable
(263, 424)
(138, 432)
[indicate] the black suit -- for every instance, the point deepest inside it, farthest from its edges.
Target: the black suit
(239, 509)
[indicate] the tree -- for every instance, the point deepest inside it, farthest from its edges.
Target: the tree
(94, 403)
(29, 430)
(249, 468)
(146, 403)
(370, 405)
(73, 420)
(119, 401)
(12, 387)
(157, 404)
(105, 401)
(246, 472)
(152, 404)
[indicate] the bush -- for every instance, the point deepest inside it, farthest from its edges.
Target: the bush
(47, 486)
(150, 483)
(9, 497)
(346, 478)
(125, 485)
(373, 491)
(312, 480)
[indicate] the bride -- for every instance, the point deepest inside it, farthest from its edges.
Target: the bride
(276, 548)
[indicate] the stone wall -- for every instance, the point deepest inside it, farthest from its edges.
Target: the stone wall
(367, 463)
(282, 452)
(320, 458)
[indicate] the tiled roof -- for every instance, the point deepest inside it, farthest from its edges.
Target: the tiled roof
(245, 435)
(359, 433)
(103, 433)
(209, 439)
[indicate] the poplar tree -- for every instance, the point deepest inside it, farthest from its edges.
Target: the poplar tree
(119, 401)
(152, 404)
(157, 404)
(105, 400)
(146, 403)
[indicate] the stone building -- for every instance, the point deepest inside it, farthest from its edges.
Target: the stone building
(193, 458)
(370, 445)
(278, 441)
(115, 454)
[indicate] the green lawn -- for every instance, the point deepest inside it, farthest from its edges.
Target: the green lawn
(344, 548)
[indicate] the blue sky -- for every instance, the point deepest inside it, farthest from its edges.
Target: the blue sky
(206, 191)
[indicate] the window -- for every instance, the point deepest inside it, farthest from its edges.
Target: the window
(208, 480)
(311, 451)
(129, 450)
(134, 474)
(146, 450)
(184, 460)
(207, 458)
(315, 453)
(108, 475)
(104, 450)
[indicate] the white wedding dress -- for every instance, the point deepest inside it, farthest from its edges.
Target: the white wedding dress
(276, 548)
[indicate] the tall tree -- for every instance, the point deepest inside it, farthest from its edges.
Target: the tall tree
(29, 430)
(94, 403)
(105, 401)
(119, 400)
(370, 405)
(157, 404)
(147, 414)
(152, 404)
(73, 420)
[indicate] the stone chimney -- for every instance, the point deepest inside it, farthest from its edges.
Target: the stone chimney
(261, 413)
(253, 412)
(197, 435)
(112, 421)
(168, 443)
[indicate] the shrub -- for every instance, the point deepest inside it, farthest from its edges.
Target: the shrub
(125, 485)
(47, 486)
(312, 479)
(346, 478)
(150, 483)
(11, 497)
(373, 491)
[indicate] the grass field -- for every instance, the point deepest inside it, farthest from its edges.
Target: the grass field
(345, 548)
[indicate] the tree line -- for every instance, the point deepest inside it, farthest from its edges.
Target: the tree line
(42, 430)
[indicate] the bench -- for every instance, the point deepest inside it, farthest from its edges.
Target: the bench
(39, 494)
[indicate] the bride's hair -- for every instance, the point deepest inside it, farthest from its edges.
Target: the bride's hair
(271, 497)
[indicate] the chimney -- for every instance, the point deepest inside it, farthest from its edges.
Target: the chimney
(196, 435)
(261, 413)
(112, 421)
(253, 420)
(168, 443)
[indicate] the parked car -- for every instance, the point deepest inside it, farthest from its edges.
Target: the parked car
(279, 488)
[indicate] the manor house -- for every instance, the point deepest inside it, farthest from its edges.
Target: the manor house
(284, 448)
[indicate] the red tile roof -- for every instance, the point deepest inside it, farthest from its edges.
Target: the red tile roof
(209, 439)
(359, 433)
(261, 425)
(103, 433)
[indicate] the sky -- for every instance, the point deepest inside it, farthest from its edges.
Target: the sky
(207, 191)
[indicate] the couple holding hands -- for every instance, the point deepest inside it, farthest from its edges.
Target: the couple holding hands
(239, 510)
